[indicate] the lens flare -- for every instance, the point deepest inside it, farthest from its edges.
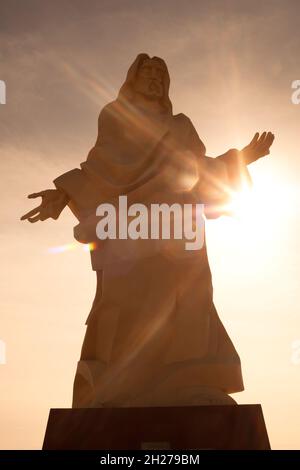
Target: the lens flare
(89, 247)
(72, 246)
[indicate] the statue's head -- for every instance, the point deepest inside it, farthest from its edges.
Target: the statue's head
(150, 78)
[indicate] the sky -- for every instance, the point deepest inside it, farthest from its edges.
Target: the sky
(231, 64)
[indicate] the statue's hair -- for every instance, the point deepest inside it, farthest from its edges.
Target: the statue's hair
(127, 92)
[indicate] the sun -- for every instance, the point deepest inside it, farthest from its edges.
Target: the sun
(257, 212)
(265, 200)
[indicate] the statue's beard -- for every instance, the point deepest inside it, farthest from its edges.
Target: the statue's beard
(153, 92)
(152, 96)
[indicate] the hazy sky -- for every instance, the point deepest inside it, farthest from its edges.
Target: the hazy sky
(231, 65)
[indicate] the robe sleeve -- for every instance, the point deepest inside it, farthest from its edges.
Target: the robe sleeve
(236, 177)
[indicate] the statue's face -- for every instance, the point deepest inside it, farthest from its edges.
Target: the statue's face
(149, 81)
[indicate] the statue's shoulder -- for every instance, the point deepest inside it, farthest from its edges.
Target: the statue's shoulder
(108, 109)
(109, 116)
(181, 117)
(114, 112)
(183, 120)
(186, 124)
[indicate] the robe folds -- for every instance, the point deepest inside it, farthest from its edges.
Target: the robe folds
(153, 331)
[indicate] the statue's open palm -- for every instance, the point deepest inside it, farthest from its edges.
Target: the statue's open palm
(53, 202)
(258, 147)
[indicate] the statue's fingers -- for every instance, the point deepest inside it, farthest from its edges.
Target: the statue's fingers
(269, 139)
(34, 195)
(255, 138)
(259, 144)
(31, 213)
(266, 144)
(262, 138)
(34, 219)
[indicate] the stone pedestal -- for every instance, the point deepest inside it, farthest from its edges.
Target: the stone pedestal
(186, 427)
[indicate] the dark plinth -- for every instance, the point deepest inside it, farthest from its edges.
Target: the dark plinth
(189, 427)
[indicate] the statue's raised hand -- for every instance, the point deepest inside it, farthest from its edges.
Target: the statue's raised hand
(53, 202)
(258, 147)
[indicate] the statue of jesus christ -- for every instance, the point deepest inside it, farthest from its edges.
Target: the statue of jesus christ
(153, 336)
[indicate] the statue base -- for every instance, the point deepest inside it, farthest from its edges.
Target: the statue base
(219, 427)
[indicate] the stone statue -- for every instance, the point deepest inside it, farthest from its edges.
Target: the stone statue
(153, 336)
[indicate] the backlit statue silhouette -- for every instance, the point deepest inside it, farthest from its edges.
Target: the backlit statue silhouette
(153, 334)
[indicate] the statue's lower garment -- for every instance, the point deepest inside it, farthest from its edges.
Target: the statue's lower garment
(154, 338)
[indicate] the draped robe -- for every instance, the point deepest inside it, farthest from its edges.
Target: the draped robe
(153, 330)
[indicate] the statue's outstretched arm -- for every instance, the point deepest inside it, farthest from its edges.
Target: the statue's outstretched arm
(237, 174)
(258, 147)
(71, 186)
(222, 176)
